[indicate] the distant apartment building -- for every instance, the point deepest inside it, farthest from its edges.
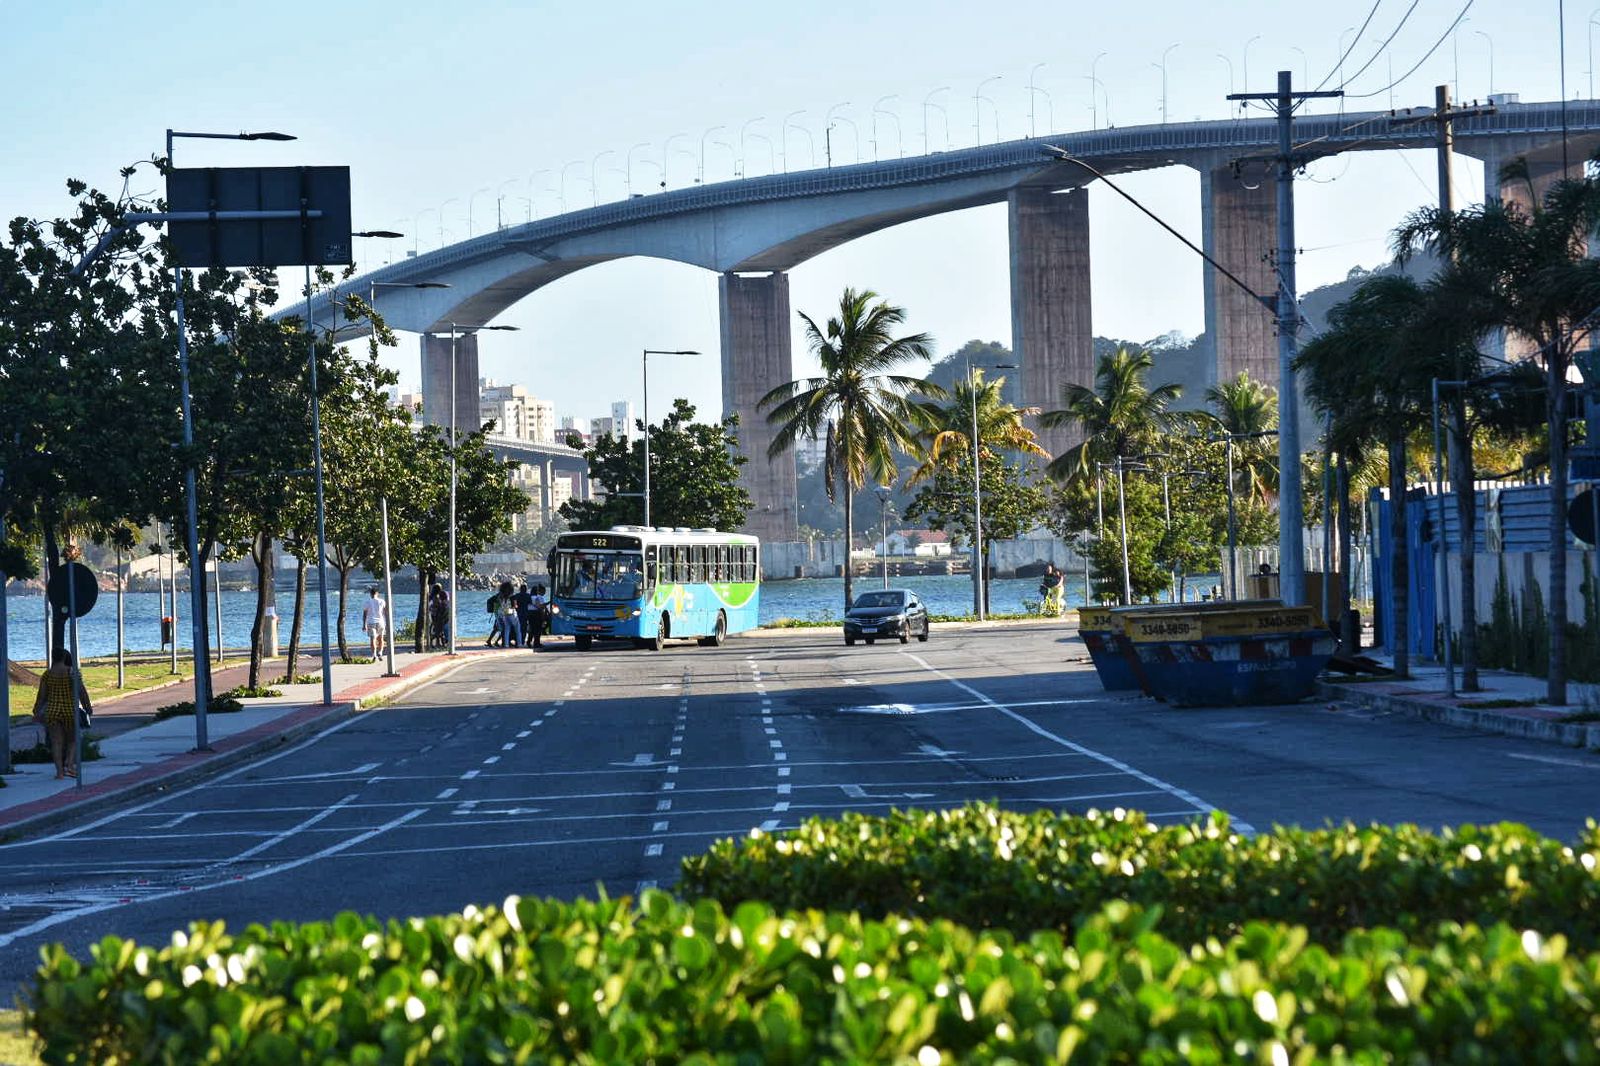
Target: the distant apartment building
(622, 419)
(505, 409)
(527, 478)
(541, 421)
(601, 427)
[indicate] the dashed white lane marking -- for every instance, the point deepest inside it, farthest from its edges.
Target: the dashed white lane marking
(540, 722)
(1201, 806)
(179, 820)
(671, 769)
(849, 681)
(668, 786)
(783, 771)
(469, 775)
(652, 851)
(770, 824)
(784, 790)
(675, 752)
(491, 760)
(643, 887)
(770, 731)
(659, 827)
(551, 711)
(781, 756)
(663, 805)
(508, 746)
(447, 793)
(775, 743)
(524, 734)
(464, 807)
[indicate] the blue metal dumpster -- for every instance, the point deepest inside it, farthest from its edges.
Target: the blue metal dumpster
(1237, 657)
(1113, 667)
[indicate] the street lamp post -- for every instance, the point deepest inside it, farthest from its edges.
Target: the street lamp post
(197, 579)
(1094, 101)
(978, 576)
(783, 136)
(1233, 524)
(977, 110)
(714, 129)
(927, 102)
(1122, 518)
(1490, 42)
(884, 494)
(455, 331)
(744, 131)
(1032, 130)
(645, 373)
(1163, 66)
(877, 107)
(383, 497)
(628, 166)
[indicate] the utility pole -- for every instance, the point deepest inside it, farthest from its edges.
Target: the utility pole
(1291, 549)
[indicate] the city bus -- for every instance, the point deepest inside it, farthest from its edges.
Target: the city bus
(650, 585)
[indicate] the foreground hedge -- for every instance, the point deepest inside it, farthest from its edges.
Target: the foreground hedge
(669, 982)
(985, 867)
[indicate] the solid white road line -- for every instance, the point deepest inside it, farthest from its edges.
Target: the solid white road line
(1172, 790)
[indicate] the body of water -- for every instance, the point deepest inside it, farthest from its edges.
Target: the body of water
(807, 599)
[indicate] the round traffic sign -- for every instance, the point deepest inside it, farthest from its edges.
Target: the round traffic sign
(84, 591)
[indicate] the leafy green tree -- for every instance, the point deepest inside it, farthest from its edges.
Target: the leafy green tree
(694, 476)
(1120, 415)
(1362, 374)
(946, 427)
(859, 407)
(1239, 408)
(1013, 500)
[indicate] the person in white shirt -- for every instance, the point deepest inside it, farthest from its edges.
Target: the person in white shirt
(374, 619)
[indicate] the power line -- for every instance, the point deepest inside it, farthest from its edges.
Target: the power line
(1354, 41)
(1382, 47)
(1425, 56)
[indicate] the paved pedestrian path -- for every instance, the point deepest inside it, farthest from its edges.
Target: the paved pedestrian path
(141, 755)
(1508, 703)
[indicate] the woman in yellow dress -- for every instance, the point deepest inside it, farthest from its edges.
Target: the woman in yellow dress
(61, 693)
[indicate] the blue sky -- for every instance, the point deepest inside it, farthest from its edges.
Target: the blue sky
(465, 103)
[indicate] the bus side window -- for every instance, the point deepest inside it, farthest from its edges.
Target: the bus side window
(749, 562)
(675, 554)
(722, 562)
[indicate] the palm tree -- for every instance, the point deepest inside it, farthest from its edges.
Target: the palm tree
(1527, 273)
(1242, 407)
(947, 427)
(1362, 375)
(863, 411)
(1118, 415)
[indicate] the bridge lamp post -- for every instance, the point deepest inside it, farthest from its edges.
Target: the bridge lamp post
(927, 102)
(1490, 42)
(1163, 66)
(1094, 101)
(531, 204)
(1305, 63)
(416, 228)
(594, 184)
(772, 159)
(783, 135)
(827, 131)
(471, 198)
(197, 577)
(500, 196)
(645, 365)
(977, 110)
(383, 497)
(1032, 130)
(701, 180)
(447, 203)
(666, 153)
(855, 136)
(1247, 45)
(744, 166)
(877, 106)
(1228, 61)
(454, 332)
(629, 164)
(562, 195)
(978, 576)
(1591, 51)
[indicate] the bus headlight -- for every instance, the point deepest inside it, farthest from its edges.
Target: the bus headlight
(554, 609)
(636, 612)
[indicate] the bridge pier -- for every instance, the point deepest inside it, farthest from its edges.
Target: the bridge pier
(1239, 229)
(1052, 331)
(757, 356)
(436, 381)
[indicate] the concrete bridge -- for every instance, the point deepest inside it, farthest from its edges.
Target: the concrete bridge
(550, 459)
(752, 231)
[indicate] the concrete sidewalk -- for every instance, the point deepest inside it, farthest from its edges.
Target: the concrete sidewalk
(1576, 724)
(160, 755)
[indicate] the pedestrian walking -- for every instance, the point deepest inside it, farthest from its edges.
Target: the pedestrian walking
(510, 621)
(438, 616)
(538, 614)
(62, 706)
(524, 600)
(375, 620)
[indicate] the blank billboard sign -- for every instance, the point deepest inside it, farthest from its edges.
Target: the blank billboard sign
(293, 241)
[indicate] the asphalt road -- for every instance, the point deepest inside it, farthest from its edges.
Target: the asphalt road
(556, 773)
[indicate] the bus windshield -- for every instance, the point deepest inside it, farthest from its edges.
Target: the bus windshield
(599, 575)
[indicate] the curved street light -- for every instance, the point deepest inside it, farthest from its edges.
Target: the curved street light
(1228, 61)
(531, 204)
(629, 164)
(783, 136)
(447, 203)
(1247, 45)
(977, 110)
(927, 102)
(594, 184)
(1305, 63)
(563, 193)
(877, 107)
(701, 180)
(500, 195)
(1032, 131)
(744, 168)
(1163, 65)
(855, 136)
(1490, 42)
(416, 228)
(666, 154)
(471, 198)
(772, 158)
(827, 132)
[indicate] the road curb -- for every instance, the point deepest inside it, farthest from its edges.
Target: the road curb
(1567, 734)
(196, 768)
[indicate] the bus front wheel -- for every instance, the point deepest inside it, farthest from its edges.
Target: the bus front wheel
(718, 635)
(657, 642)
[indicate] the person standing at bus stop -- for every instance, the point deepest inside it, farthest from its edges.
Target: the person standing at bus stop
(61, 696)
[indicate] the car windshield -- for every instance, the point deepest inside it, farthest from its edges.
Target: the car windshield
(880, 599)
(599, 575)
